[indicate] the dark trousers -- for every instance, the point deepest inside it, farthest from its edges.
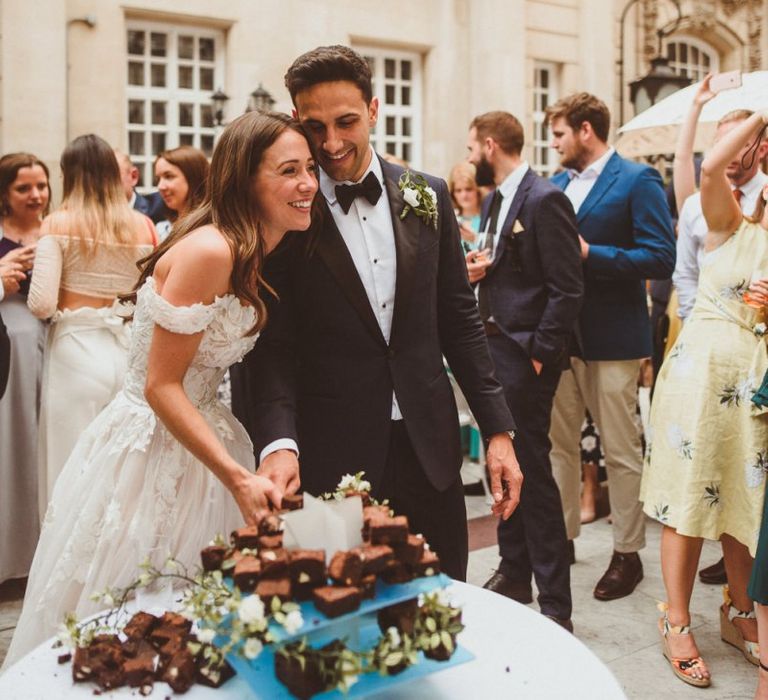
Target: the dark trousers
(533, 540)
(441, 516)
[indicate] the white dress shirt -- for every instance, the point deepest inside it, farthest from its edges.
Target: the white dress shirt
(691, 232)
(508, 189)
(581, 183)
(369, 236)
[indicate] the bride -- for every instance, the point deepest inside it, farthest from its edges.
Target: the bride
(165, 466)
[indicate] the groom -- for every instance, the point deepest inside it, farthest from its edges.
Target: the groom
(351, 364)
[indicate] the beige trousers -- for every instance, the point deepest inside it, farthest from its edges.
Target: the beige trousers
(609, 390)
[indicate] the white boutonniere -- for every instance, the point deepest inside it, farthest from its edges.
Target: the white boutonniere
(517, 227)
(419, 197)
(759, 329)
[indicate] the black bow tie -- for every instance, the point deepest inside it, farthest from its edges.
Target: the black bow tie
(370, 188)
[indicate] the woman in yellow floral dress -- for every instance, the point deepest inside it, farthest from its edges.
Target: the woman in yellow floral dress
(707, 454)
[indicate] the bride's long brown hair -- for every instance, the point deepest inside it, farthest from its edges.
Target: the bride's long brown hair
(229, 206)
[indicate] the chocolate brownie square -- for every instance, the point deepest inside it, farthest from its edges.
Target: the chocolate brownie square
(293, 502)
(140, 670)
(410, 551)
(246, 574)
(375, 557)
(213, 557)
(346, 568)
(140, 625)
(371, 513)
(267, 589)
(270, 541)
(270, 524)
(389, 530)
(246, 537)
(307, 566)
(396, 572)
(402, 616)
(302, 676)
(175, 621)
(368, 587)
(180, 671)
(274, 563)
(210, 673)
(333, 601)
(428, 565)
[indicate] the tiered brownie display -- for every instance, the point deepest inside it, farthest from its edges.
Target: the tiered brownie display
(368, 596)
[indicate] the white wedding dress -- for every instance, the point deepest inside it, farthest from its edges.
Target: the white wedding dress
(130, 490)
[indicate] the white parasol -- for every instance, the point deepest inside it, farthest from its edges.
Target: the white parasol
(654, 131)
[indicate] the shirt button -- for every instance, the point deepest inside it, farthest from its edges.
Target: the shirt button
(365, 218)
(375, 261)
(383, 306)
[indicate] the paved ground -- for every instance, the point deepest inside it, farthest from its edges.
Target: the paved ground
(622, 633)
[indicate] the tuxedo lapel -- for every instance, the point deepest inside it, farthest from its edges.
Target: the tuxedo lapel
(603, 184)
(335, 254)
(407, 233)
(514, 209)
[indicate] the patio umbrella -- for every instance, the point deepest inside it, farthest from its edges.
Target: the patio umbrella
(654, 131)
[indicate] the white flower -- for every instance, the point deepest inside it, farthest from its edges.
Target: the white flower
(759, 329)
(364, 485)
(411, 196)
(293, 621)
(394, 637)
(252, 648)
(347, 482)
(432, 194)
(251, 610)
(205, 635)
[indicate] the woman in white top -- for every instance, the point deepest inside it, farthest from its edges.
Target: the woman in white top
(87, 255)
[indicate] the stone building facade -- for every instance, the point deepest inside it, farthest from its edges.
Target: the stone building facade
(141, 72)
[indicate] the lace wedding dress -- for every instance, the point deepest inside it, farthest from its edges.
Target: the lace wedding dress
(130, 491)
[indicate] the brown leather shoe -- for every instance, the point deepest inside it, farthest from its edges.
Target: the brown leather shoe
(622, 576)
(714, 574)
(502, 584)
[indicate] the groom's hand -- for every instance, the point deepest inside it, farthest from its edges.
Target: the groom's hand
(506, 477)
(282, 467)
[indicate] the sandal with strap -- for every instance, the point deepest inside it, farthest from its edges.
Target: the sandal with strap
(731, 634)
(687, 670)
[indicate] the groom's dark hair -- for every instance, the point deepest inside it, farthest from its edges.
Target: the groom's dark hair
(327, 64)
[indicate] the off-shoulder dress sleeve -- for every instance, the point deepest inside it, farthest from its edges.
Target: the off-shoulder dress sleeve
(180, 319)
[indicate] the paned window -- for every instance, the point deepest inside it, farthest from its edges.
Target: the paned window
(397, 84)
(692, 58)
(545, 93)
(172, 71)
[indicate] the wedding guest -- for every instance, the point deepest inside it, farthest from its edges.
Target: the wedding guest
(626, 238)
(370, 304)
(705, 473)
(530, 288)
(466, 198)
(24, 200)
(165, 466)
(86, 256)
(150, 205)
(182, 181)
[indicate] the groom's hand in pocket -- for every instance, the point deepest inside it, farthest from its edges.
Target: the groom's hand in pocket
(282, 467)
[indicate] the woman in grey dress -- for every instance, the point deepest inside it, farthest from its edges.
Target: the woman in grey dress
(24, 198)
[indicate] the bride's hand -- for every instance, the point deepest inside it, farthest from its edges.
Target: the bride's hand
(253, 494)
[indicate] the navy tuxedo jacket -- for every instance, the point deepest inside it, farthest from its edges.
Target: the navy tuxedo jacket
(626, 221)
(151, 205)
(323, 374)
(5, 357)
(535, 285)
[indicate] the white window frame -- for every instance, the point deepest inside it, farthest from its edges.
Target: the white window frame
(171, 94)
(382, 142)
(542, 98)
(695, 71)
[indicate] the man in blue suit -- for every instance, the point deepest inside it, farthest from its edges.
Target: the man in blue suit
(529, 292)
(150, 205)
(626, 238)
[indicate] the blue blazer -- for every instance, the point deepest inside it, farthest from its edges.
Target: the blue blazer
(626, 221)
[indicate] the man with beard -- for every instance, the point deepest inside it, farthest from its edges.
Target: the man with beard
(529, 292)
(351, 364)
(626, 237)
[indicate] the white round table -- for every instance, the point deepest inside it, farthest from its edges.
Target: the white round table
(519, 654)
